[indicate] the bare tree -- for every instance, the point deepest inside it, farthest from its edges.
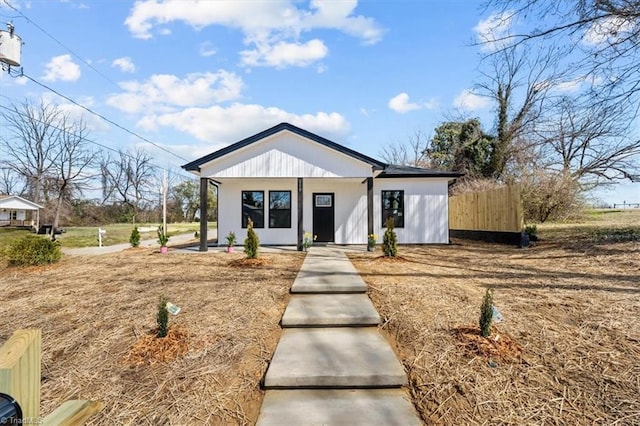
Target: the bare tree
(10, 182)
(603, 36)
(412, 153)
(127, 178)
(73, 160)
(590, 144)
(31, 144)
(518, 81)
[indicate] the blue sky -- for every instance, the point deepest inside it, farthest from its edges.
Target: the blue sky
(195, 76)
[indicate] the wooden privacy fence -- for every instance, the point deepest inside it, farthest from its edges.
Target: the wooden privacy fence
(20, 379)
(493, 215)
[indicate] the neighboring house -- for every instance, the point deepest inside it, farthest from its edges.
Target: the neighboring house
(290, 181)
(17, 211)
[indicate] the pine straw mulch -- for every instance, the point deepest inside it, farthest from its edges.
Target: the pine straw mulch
(97, 315)
(572, 312)
(150, 348)
(498, 346)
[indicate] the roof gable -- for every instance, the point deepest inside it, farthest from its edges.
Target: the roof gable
(17, 203)
(196, 164)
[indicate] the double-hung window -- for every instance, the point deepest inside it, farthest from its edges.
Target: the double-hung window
(279, 209)
(393, 207)
(253, 208)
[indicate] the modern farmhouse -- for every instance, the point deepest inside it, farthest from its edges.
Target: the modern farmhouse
(290, 181)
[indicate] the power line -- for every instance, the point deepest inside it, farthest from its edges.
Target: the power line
(73, 101)
(120, 152)
(89, 110)
(31, 21)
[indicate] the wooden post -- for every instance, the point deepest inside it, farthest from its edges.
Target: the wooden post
(300, 215)
(20, 371)
(71, 413)
(204, 195)
(369, 207)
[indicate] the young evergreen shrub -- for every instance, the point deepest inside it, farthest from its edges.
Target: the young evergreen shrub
(162, 318)
(486, 313)
(390, 239)
(33, 250)
(252, 242)
(134, 238)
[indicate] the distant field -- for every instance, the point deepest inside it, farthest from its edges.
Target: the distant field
(87, 236)
(596, 226)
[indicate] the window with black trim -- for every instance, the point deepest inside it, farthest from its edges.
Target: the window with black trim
(253, 207)
(393, 206)
(279, 209)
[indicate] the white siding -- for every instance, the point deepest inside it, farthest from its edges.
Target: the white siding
(350, 203)
(286, 154)
(230, 210)
(426, 209)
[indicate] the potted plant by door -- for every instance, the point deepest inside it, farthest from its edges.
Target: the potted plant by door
(372, 239)
(163, 239)
(231, 240)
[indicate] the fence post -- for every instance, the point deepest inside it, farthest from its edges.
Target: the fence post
(20, 371)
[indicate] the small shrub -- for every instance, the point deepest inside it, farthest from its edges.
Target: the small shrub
(390, 239)
(486, 314)
(33, 250)
(134, 238)
(308, 239)
(162, 318)
(163, 239)
(532, 232)
(252, 242)
(231, 239)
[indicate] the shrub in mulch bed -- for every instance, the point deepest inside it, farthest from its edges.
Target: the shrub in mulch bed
(150, 349)
(498, 345)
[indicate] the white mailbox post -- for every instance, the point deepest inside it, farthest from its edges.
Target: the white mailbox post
(101, 232)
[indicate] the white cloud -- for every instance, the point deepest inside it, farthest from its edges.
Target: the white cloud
(207, 49)
(609, 29)
(229, 124)
(76, 112)
(282, 54)
(491, 31)
(61, 68)
(400, 103)
(470, 101)
(272, 29)
(166, 92)
(125, 64)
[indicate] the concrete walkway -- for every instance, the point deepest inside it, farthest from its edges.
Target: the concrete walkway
(331, 365)
(150, 243)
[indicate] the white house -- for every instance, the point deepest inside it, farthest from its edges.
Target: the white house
(290, 181)
(17, 211)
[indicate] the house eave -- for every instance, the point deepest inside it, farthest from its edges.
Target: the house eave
(194, 166)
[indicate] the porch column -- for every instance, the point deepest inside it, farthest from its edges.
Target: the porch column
(300, 215)
(369, 206)
(204, 193)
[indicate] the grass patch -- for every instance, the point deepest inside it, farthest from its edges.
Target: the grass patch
(87, 236)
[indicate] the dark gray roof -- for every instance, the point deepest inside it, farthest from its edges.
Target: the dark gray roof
(195, 165)
(388, 170)
(397, 171)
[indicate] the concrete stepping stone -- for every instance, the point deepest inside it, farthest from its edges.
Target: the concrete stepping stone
(321, 310)
(334, 358)
(328, 271)
(331, 407)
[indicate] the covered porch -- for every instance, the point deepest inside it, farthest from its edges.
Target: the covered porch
(18, 212)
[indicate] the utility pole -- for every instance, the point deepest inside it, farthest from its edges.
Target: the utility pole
(164, 201)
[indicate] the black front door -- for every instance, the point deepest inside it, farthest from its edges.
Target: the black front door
(323, 217)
